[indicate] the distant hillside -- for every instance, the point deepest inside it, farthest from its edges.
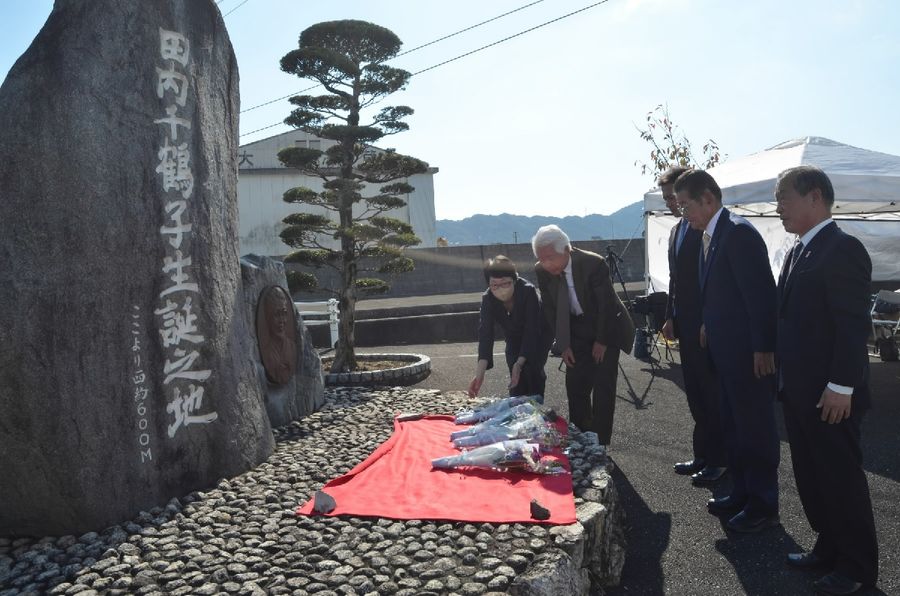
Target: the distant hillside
(508, 229)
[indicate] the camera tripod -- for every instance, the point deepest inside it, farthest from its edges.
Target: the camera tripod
(646, 337)
(613, 260)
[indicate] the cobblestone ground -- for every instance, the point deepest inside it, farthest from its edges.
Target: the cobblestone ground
(242, 536)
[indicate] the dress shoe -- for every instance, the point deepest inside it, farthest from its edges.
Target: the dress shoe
(748, 523)
(805, 560)
(708, 476)
(725, 505)
(836, 584)
(686, 468)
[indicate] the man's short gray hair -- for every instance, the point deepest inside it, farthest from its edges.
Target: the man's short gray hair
(550, 236)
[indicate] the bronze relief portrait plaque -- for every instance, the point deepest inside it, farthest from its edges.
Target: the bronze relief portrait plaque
(276, 331)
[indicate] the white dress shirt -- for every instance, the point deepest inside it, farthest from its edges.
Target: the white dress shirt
(711, 225)
(574, 305)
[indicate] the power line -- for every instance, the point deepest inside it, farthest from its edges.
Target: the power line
(263, 128)
(235, 8)
(278, 99)
(490, 45)
(424, 45)
(475, 51)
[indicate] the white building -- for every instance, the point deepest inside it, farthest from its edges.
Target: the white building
(262, 181)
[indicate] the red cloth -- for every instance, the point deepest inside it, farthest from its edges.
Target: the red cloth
(397, 481)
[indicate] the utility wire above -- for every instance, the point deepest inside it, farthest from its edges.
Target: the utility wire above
(475, 51)
(424, 45)
(498, 42)
(235, 8)
(500, 16)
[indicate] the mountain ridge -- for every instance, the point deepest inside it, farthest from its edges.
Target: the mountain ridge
(507, 228)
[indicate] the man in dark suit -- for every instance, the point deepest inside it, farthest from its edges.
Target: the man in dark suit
(591, 326)
(823, 369)
(683, 322)
(737, 292)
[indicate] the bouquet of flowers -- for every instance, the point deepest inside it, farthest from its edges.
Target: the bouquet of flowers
(533, 427)
(503, 417)
(505, 456)
(491, 409)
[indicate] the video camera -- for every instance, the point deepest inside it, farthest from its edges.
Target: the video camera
(653, 307)
(641, 305)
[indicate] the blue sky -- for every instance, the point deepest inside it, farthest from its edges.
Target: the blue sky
(544, 124)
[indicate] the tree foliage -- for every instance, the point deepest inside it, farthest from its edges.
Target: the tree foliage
(669, 146)
(347, 58)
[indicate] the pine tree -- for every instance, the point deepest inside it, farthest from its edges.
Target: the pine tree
(359, 184)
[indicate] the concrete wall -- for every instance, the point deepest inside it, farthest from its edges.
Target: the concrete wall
(455, 269)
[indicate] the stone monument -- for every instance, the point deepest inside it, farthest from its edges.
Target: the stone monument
(127, 373)
(288, 365)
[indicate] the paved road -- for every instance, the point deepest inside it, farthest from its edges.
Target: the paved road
(675, 546)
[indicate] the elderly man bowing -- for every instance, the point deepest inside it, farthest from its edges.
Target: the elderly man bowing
(591, 326)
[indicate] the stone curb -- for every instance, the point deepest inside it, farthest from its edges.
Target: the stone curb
(416, 371)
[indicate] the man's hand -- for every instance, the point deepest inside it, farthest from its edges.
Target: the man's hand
(515, 373)
(568, 356)
(703, 336)
(598, 352)
(475, 386)
(668, 330)
(763, 364)
(835, 406)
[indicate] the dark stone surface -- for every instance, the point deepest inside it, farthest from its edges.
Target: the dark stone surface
(304, 392)
(83, 250)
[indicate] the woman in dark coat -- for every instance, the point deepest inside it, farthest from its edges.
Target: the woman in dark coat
(512, 303)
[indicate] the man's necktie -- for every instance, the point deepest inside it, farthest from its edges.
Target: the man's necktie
(563, 337)
(795, 256)
(679, 237)
(706, 241)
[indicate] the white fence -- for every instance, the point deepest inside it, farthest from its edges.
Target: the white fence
(331, 312)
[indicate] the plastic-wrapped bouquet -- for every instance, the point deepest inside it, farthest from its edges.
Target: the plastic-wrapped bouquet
(503, 417)
(534, 427)
(504, 455)
(493, 408)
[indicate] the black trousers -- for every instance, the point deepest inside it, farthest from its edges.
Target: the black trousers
(701, 387)
(532, 380)
(591, 387)
(751, 439)
(827, 461)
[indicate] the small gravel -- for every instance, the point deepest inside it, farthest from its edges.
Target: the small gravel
(243, 537)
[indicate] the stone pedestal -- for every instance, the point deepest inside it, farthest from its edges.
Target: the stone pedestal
(304, 391)
(590, 553)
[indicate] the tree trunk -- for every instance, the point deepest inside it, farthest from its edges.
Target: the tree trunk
(345, 353)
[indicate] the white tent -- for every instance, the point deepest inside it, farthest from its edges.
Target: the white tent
(867, 202)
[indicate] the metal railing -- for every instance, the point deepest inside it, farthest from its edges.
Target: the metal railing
(331, 312)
